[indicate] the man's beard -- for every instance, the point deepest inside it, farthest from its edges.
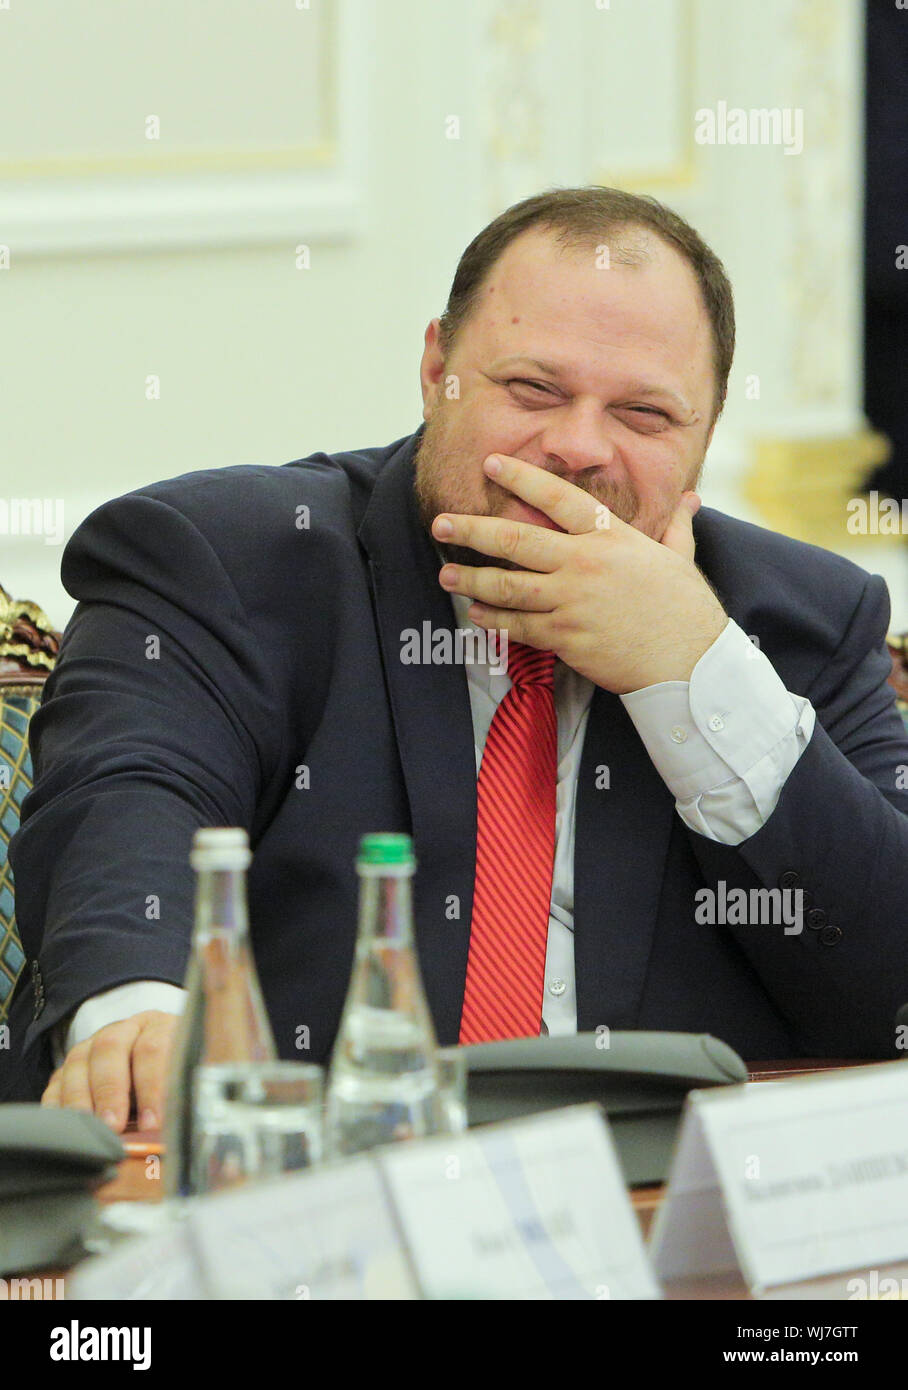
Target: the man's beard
(443, 484)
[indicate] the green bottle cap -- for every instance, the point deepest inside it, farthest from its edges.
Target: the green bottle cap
(385, 849)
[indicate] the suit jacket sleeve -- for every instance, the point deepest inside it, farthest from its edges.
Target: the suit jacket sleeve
(159, 718)
(839, 832)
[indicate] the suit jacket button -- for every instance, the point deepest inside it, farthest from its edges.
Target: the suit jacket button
(831, 936)
(790, 879)
(816, 918)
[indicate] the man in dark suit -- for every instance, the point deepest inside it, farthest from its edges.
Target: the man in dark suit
(274, 648)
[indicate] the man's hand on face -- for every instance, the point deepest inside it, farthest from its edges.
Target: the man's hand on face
(125, 1059)
(618, 607)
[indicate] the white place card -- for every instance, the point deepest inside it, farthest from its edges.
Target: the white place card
(789, 1180)
(327, 1234)
(159, 1266)
(530, 1209)
(534, 1208)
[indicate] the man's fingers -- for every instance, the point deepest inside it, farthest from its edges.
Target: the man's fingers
(150, 1063)
(521, 627)
(569, 506)
(75, 1091)
(109, 1072)
(51, 1093)
(499, 588)
(531, 547)
(101, 1073)
(679, 533)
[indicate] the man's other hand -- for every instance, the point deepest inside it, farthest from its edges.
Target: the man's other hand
(128, 1059)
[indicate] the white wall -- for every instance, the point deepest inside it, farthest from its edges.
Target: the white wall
(329, 125)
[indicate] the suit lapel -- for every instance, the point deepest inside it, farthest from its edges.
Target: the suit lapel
(621, 837)
(431, 710)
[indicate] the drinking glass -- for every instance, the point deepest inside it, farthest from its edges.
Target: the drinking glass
(452, 1073)
(254, 1120)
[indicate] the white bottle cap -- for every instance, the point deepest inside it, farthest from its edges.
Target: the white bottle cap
(220, 848)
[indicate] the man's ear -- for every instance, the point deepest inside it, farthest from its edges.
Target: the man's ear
(431, 368)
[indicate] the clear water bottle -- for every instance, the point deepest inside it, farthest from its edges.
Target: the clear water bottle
(224, 1019)
(384, 1082)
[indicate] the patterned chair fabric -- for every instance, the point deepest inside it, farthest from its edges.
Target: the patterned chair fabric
(28, 649)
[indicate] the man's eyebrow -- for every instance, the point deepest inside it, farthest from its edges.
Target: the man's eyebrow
(550, 368)
(638, 388)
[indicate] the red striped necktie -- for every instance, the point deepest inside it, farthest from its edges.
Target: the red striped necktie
(515, 852)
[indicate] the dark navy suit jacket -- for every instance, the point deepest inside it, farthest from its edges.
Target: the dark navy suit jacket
(279, 648)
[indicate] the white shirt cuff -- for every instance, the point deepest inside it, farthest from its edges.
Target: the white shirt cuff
(114, 1004)
(725, 742)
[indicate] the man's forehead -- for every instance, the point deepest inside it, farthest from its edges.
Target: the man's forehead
(535, 269)
(535, 299)
(541, 249)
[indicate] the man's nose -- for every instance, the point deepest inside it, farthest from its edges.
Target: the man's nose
(580, 438)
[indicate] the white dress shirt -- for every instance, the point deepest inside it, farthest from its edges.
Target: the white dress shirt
(723, 743)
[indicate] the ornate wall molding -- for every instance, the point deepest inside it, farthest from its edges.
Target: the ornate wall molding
(823, 262)
(514, 111)
(216, 194)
